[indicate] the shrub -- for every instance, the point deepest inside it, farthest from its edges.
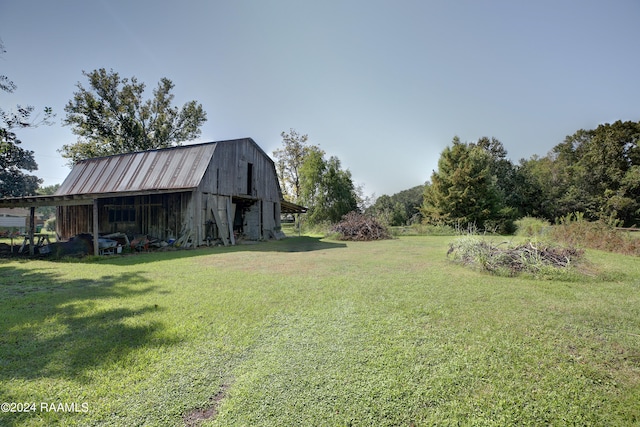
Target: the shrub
(357, 226)
(50, 224)
(532, 227)
(574, 230)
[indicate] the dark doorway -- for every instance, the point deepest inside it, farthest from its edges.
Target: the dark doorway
(249, 178)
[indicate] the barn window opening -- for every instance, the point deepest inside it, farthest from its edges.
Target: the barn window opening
(249, 178)
(122, 215)
(122, 210)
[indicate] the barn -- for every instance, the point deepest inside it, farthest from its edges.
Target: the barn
(194, 194)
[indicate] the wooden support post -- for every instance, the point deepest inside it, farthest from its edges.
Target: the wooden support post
(32, 227)
(96, 248)
(230, 217)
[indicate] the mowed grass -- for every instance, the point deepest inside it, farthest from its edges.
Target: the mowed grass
(311, 332)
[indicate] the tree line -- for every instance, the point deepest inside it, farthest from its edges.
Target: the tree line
(595, 172)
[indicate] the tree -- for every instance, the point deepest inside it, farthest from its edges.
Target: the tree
(501, 168)
(327, 189)
(15, 160)
(463, 190)
(401, 208)
(110, 117)
(309, 179)
(387, 211)
(289, 160)
(535, 184)
(337, 195)
(310, 175)
(411, 200)
(595, 172)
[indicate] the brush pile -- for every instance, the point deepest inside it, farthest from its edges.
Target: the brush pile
(511, 260)
(360, 227)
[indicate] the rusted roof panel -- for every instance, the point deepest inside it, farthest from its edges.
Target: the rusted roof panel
(166, 169)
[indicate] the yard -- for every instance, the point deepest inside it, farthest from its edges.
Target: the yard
(306, 331)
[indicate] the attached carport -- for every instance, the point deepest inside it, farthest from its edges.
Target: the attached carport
(32, 202)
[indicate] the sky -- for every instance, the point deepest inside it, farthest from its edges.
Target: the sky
(382, 85)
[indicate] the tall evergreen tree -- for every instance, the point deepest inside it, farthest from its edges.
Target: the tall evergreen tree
(463, 190)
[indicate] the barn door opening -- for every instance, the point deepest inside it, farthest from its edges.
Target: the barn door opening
(247, 220)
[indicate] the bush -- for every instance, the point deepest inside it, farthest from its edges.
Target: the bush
(574, 230)
(357, 226)
(532, 227)
(50, 224)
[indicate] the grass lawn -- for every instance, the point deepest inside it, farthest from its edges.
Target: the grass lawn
(311, 332)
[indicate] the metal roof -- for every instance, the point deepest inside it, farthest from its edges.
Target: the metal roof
(173, 168)
(289, 207)
(146, 172)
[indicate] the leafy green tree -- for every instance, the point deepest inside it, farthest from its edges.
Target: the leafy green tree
(535, 187)
(15, 161)
(326, 188)
(502, 169)
(311, 173)
(289, 160)
(399, 209)
(308, 178)
(338, 195)
(411, 201)
(110, 117)
(387, 211)
(596, 171)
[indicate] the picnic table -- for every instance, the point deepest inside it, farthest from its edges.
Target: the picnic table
(42, 240)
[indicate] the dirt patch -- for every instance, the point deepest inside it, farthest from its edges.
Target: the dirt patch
(195, 417)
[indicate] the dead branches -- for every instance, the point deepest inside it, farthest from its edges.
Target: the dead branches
(511, 260)
(356, 226)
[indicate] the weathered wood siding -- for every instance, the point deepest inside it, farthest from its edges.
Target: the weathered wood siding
(227, 174)
(241, 171)
(73, 220)
(158, 215)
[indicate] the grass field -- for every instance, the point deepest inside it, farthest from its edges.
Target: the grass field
(312, 332)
